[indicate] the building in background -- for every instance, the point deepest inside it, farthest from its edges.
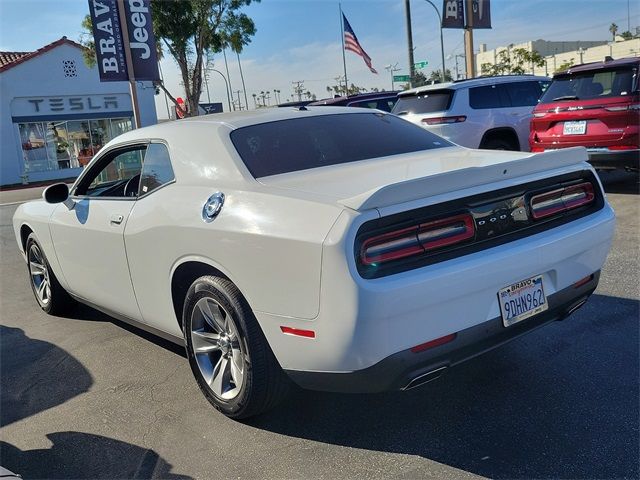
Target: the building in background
(558, 54)
(55, 114)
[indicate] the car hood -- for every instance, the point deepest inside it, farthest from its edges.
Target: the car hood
(387, 181)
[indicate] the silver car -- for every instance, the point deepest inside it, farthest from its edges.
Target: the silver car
(487, 112)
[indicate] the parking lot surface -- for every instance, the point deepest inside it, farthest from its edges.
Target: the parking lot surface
(89, 397)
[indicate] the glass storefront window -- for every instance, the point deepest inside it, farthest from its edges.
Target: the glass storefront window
(66, 144)
(34, 151)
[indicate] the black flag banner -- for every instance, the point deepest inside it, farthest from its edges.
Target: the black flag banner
(109, 40)
(453, 14)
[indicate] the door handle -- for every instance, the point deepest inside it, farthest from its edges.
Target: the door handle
(117, 218)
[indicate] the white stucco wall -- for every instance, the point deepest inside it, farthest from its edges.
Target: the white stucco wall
(44, 76)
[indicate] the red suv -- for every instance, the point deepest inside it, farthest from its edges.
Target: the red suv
(595, 105)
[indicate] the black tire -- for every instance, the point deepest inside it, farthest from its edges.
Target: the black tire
(264, 384)
(58, 301)
(499, 144)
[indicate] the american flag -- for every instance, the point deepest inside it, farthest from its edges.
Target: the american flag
(351, 43)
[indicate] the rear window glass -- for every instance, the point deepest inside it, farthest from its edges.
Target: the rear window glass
(424, 102)
(303, 143)
(590, 85)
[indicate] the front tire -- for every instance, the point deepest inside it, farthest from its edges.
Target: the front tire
(228, 353)
(50, 295)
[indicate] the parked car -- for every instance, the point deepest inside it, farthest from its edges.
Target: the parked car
(596, 105)
(380, 100)
(342, 249)
(484, 112)
(297, 103)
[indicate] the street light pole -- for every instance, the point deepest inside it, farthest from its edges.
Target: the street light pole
(226, 84)
(441, 40)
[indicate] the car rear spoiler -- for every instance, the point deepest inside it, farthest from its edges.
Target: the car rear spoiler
(417, 188)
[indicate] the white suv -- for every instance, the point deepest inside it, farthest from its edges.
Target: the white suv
(486, 112)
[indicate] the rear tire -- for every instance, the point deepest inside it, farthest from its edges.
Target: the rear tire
(228, 353)
(50, 295)
(499, 144)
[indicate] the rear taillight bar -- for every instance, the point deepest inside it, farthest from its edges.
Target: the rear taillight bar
(561, 200)
(417, 239)
(444, 120)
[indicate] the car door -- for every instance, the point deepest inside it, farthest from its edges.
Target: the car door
(89, 238)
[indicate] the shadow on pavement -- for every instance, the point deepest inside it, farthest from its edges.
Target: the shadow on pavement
(619, 181)
(561, 402)
(36, 375)
(82, 455)
(86, 313)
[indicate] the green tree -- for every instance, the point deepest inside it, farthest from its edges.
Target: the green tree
(339, 89)
(566, 65)
(513, 62)
(436, 77)
(627, 35)
(613, 29)
(192, 31)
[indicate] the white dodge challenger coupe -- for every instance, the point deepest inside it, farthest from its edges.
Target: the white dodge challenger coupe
(342, 249)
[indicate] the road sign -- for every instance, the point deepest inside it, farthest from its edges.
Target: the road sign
(401, 78)
(421, 64)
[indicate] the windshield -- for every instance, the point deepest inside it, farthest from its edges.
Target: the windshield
(424, 102)
(590, 85)
(310, 142)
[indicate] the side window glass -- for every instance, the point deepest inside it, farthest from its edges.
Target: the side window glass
(156, 170)
(484, 97)
(524, 94)
(119, 177)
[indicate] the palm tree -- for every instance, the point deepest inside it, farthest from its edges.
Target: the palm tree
(255, 102)
(613, 29)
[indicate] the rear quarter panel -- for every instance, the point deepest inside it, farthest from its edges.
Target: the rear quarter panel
(269, 245)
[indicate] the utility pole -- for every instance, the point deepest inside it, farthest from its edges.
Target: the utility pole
(298, 88)
(412, 68)
(391, 69)
(468, 40)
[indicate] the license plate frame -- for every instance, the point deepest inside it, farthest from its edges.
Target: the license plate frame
(522, 300)
(578, 127)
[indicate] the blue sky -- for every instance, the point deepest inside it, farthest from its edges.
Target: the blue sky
(300, 39)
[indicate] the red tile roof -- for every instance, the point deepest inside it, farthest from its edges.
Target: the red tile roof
(11, 59)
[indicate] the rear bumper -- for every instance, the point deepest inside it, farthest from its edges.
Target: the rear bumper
(611, 159)
(407, 369)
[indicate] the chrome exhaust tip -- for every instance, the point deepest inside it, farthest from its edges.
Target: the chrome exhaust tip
(425, 378)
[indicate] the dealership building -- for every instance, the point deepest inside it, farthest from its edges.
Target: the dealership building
(55, 114)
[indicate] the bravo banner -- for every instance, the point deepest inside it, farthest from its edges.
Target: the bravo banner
(142, 42)
(107, 37)
(481, 14)
(453, 14)
(109, 43)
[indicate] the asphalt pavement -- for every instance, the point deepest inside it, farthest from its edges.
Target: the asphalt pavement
(89, 397)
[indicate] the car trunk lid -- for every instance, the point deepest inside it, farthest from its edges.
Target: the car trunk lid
(379, 183)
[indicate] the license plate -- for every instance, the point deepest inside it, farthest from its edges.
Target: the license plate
(522, 300)
(575, 128)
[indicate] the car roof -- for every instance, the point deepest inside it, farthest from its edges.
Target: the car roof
(196, 143)
(473, 82)
(586, 67)
(355, 98)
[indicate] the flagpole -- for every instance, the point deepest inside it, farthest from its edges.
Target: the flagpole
(344, 60)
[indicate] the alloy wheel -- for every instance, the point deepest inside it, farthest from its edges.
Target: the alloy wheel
(39, 275)
(218, 348)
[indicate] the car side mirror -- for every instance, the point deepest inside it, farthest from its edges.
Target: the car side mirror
(58, 193)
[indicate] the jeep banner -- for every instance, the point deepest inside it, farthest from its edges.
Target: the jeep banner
(481, 14)
(453, 14)
(107, 36)
(142, 42)
(109, 43)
